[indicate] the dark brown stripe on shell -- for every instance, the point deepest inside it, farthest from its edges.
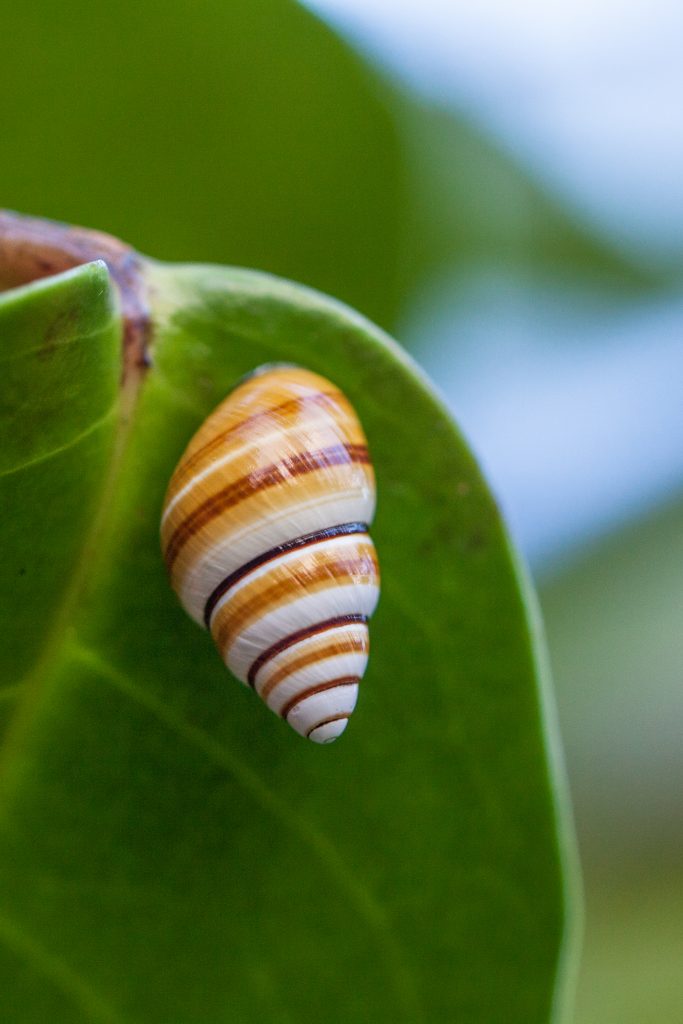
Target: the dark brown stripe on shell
(249, 485)
(291, 545)
(292, 405)
(295, 638)
(332, 684)
(231, 621)
(313, 657)
(327, 721)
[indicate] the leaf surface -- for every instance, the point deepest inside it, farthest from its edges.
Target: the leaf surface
(170, 851)
(60, 342)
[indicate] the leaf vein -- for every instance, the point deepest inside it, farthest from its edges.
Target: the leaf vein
(62, 976)
(71, 443)
(59, 345)
(362, 900)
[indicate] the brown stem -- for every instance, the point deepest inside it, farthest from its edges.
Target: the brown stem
(32, 248)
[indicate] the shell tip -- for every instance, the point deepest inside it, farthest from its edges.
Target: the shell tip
(328, 732)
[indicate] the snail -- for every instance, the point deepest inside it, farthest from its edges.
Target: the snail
(265, 536)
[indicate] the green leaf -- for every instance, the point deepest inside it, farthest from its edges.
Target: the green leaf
(60, 344)
(239, 132)
(250, 134)
(169, 851)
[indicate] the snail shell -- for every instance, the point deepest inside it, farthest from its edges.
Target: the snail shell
(265, 535)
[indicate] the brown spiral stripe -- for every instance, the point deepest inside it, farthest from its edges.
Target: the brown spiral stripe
(307, 540)
(301, 634)
(250, 484)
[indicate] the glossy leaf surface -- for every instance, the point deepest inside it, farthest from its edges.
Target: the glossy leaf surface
(60, 342)
(169, 850)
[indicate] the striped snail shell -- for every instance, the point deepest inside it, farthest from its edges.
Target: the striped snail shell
(265, 535)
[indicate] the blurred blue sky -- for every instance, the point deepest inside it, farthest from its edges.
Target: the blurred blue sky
(587, 91)
(578, 435)
(572, 402)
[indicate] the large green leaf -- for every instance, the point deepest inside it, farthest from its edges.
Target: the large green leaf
(169, 851)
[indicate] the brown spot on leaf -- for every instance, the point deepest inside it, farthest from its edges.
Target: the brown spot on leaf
(56, 330)
(31, 249)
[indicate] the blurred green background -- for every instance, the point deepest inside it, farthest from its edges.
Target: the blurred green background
(502, 193)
